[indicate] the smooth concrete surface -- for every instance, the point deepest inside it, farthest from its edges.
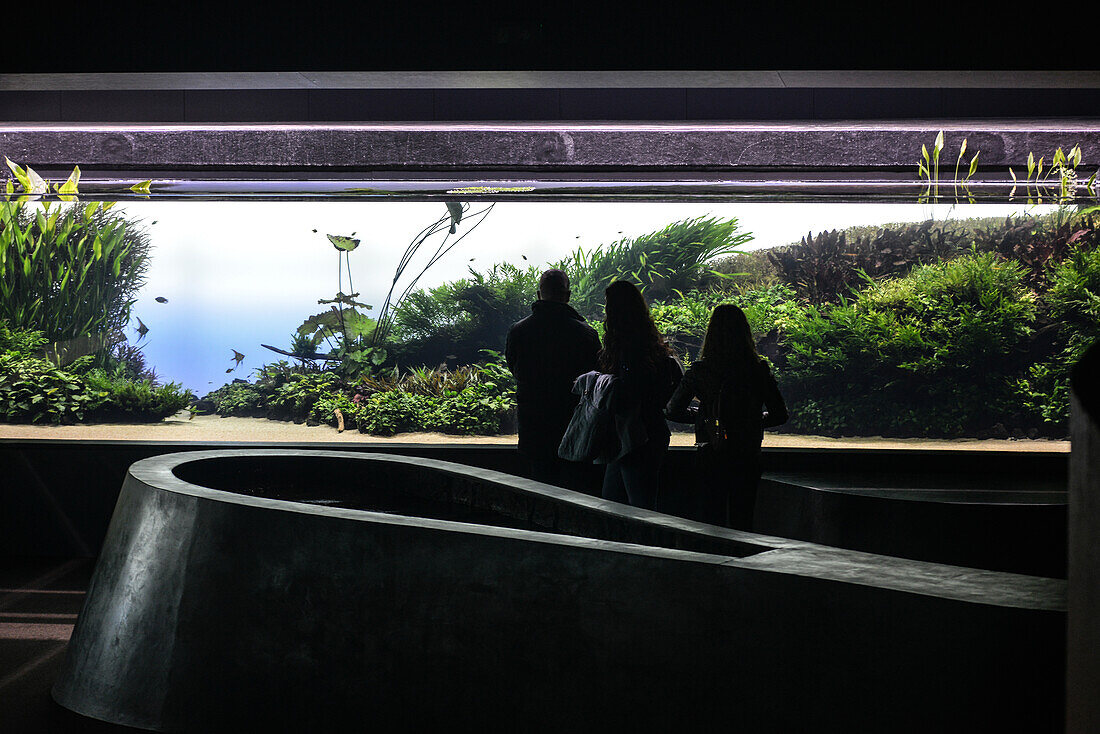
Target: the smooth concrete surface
(60, 495)
(1083, 632)
(694, 149)
(215, 610)
(992, 520)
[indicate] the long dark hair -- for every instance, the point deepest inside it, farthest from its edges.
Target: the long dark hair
(630, 337)
(729, 343)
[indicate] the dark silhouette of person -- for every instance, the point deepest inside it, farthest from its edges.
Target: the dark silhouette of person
(734, 386)
(546, 352)
(647, 373)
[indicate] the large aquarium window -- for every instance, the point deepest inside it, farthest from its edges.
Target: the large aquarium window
(382, 320)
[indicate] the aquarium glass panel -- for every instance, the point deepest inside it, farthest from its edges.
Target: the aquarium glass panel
(340, 321)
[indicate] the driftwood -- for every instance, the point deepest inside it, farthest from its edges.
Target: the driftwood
(315, 355)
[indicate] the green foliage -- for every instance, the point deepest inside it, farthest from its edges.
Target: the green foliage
(24, 342)
(121, 397)
(476, 410)
(823, 268)
(1074, 295)
(68, 271)
(1043, 393)
(660, 263)
(1073, 301)
(297, 396)
(742, 271)
(34, 390)
(683, 321)
(304, 345)
(238, 399)
(928, 169)
(455, 321)
(929, 354)
(1039, 243)
(348, 332)
(387, 413)
(326, 405)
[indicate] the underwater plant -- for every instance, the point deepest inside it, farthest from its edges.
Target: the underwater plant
(672, 259)
(70, 271)
(456, 212)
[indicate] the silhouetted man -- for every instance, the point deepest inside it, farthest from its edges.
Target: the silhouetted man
(546, 352)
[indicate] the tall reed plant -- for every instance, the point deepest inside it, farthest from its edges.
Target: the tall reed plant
(68, 271)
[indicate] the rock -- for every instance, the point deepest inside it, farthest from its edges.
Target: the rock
(205, 406)
(312, 423)
(1033, 433)
(1018, 432)
(998, 431)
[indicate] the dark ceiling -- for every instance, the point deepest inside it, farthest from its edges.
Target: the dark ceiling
(566, 34)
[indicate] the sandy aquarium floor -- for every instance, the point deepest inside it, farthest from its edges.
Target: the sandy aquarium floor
(213, 428)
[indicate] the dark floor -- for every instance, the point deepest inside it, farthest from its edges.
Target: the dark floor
(39, 601)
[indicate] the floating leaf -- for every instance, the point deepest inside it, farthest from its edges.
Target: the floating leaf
(346, 244)
(142, 187)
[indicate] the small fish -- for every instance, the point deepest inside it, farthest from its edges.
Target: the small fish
(315, 231)
(141, 329)
(351, 235)
(472, 259)
(451, 356)
(577, 237)
(524, 257)
(161, 299)
(229, 370)
(154, 222)
(237, 357)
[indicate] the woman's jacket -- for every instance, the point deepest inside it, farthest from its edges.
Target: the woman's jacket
(736, 404)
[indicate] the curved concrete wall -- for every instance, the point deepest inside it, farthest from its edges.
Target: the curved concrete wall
(212, 609)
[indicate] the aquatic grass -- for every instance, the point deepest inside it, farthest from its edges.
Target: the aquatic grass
(659, 263)
(69, 271)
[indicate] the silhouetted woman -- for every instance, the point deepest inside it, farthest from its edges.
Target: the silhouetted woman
(734, 386)
(636, 353)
